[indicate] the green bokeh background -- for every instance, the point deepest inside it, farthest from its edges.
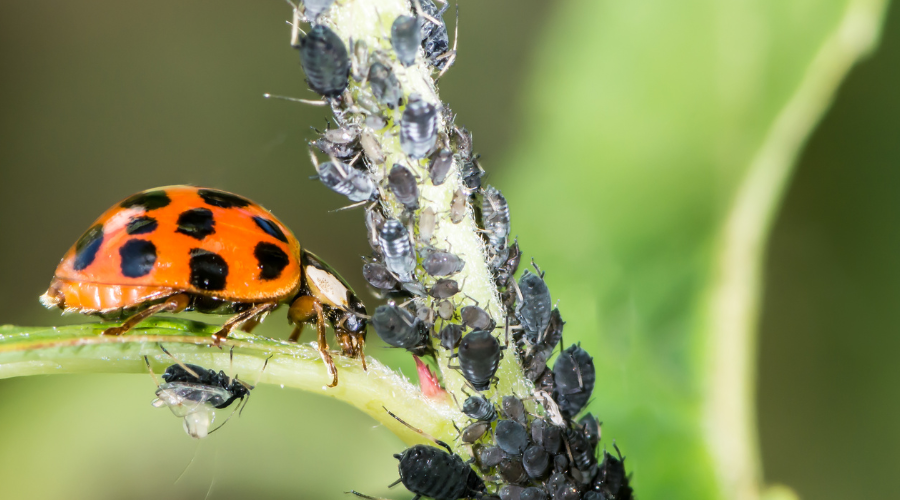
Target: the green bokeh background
(105, 98)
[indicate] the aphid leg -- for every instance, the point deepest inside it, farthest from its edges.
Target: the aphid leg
(420, 431)
(362, 495)
(239, 318)
(295, 26)
(451, 56)
(150, 369)
(317, 102)
(175, 303)
(178, 361)
(536, 268)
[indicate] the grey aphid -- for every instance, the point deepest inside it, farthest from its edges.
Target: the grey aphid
(403, 184)
(490, 456)
(444, 288)
(450, 336)
(511, 437)
(442, 264)
(346, 180)
(418, 127)
(534, 493)
(325, 61)
(371, 147)
(445, 310)
(359, 60)
(426, 225)
(474, 432)
(511, 492)
(398, 328)
(471, 173)
(435, 39)
(512, 471)
(458, 206)
(385, 86)
(315, 8)
(441, 162)
(513, 408)
(406, 36)
(479, 408)
(479, 358)
(399, 255)
(536, 461)
(374, 223)
(533, 309)
(378, 276)
(495, 218)
(476, 318)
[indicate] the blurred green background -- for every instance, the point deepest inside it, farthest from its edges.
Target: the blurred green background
(104, 99)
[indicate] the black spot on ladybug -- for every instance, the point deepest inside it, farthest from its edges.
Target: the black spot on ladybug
(222, 199)
(270, 228)
(197, 223)
(87, 246)
(272, 260)
(150, 200)
(138, 257)
(141, 224)
(208, 270)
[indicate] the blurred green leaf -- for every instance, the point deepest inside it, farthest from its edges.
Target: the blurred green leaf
(657, 142)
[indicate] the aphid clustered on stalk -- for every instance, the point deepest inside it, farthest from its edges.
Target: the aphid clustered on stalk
(519, 455)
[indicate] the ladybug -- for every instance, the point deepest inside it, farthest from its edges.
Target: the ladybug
(184, 248)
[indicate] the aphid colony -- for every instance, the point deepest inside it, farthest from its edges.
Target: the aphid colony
(520, 455)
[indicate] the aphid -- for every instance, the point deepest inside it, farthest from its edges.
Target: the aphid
(442, 264)
(183, 248)
(370, 145)
(495, 218)
(590, 426)
(324, 59)
(341, 135)
(582, 451)
(512, 471)
(511, 436)
(398, 328)
(536, 360)
(566, 491)
(359, 62)
(471, 173)
(533, 494)
(533, 310)
(385, 86)
(458, 206)
(374, 223)
(444, 288)
(346, 180)
(536, 461)
(508, 268)
(560, 463)
(399, 255)
(418, 127)
(490, 456)
(441, 162)
(446, 310)
(450, 336)
(511, 492)
(190, 391)
(402, 183)
(378, 276)
(406, 36)
(315, 8)
(546, 435)
(476, 318)
(435, 39)
(426, 225)
(474, 432)
(479, 358)
(431, 472)
(574, 375)
(339, 143)
(479, 408)
(513, 408)
(611, 480)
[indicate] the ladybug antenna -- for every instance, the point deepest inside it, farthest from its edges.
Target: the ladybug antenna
(179, 362)
(420, 431)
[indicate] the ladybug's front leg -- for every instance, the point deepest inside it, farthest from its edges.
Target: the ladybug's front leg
(307, 309)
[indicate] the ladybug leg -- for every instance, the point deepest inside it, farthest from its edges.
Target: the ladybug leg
(306, 309)
(352, 344)
(237, 319)
(175, 303)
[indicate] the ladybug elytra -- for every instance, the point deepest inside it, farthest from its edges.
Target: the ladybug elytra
(182, 248)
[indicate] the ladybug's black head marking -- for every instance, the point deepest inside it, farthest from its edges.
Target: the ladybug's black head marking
(222, 199)
(87, 246)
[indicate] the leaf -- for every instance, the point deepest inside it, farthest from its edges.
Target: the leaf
(658, 139)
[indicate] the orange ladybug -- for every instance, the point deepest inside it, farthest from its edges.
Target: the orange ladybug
(183, 248)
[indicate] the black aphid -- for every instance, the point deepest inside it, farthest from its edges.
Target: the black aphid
(479, 408)
(418, 127)
(495, 218)
(547, 435)
(434, 473)
(399, 255)
(536, 461)
(378, 276)
(611, 480)
(406, 36)
(512, 471)
(490, 456)
(314, 8)
(474, 432)
(435, 39)
(450, 336)
(444, 288)
(402, 183)
(385, 86)
(442, 264)
(508, 268)
(511, 437)
(533, 494)
(574, 375)
(479, 358)
(458, 206)
(397, 327)
(590, 427)
(535, 361)
(441, 162)
(582, 451)
(471, 173)
(513, 409)
(346, 180)
(476, 318)
(325, 61)
(511, 492)
(533, 310)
